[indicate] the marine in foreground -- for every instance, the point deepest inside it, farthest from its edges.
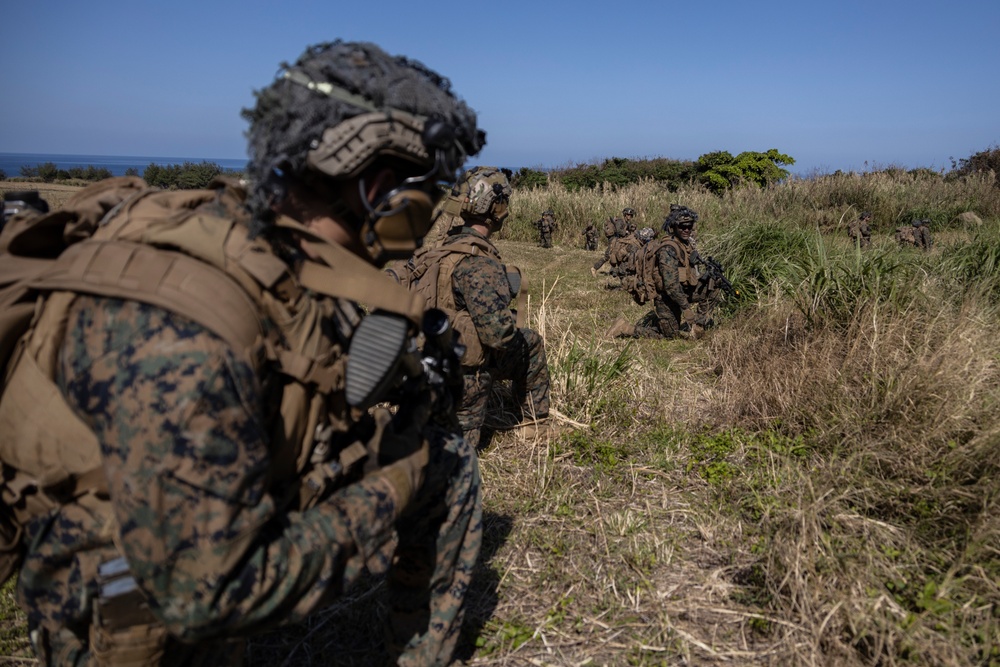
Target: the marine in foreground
(190, 447)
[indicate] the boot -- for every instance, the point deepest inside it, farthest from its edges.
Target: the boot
(593, 272)
(621, 328)
(541, 429)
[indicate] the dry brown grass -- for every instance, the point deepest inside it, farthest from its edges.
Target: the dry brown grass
(786, 491)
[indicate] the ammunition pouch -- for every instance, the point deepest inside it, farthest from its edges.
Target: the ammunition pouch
(124, 632)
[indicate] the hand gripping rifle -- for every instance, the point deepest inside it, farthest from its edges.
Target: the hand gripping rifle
(714, 271)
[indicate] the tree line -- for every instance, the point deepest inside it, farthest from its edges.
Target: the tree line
(717, 171)
(186, 176)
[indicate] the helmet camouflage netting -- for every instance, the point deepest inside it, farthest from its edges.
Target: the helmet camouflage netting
(292, 113)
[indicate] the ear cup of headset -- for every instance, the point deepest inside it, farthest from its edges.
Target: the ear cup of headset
(396, 234)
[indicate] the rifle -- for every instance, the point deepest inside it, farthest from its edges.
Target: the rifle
(386, 364)
(714, 271)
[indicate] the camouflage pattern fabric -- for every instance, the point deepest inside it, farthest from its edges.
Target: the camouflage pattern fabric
(673, 298)
(183, 424)
(621, 253)
(860, 232)
(546, 225)
(620, 230)
(590, 238)
(905, 236)
(481, 288)
(922, 237)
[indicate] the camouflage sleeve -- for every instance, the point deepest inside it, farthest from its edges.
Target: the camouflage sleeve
(481, 287)
(179, 419)
(670, 283)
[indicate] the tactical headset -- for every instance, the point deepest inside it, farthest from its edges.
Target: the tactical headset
(395, 224)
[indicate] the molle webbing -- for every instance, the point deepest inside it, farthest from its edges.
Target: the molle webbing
(170, 280)
(686, 274)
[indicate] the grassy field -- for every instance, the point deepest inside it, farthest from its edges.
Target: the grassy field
(816, 482)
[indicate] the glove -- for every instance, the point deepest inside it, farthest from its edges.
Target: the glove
(399, 454)
(406, 475)
(689, 316)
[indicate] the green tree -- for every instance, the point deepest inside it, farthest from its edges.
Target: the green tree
(48, 171)
(720, 171)
(529, 178)
(984, 161)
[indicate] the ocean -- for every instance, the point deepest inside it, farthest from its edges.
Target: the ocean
(11, 163)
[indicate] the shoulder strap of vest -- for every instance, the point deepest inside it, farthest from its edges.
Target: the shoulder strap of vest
(682, 252)
(167, 279)
(344, 275)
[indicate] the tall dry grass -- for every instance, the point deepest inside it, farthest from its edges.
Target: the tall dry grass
(815, 482)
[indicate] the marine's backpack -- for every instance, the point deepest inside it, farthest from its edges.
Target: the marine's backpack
(642, 284)
(429, 275)
(180, 251)
(45, 259)
(622, 248)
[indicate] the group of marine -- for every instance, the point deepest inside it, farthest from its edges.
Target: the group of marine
(667, 270)
(217, 410)
(917, 234)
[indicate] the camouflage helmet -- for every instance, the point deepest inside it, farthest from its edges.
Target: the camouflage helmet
(866, 215)
(338, 110)
(646, 234)
(678, 215)
(484, 193)
(628, 210)
(548, 213)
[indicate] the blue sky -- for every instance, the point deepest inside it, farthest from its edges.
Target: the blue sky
(837, 85)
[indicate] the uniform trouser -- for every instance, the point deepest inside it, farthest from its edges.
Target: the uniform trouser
(431, 572)
(607, 255)
(664, 321)
(525, 365)
(546, 239)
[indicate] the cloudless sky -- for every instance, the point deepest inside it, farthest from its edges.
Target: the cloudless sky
(850, 85)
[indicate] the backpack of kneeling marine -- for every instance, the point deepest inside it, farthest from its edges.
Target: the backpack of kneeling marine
(29, 245)
(428, 274)
(642, 284)
(47, 453)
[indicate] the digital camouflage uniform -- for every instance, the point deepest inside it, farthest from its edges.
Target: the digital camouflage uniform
(906, 236)
(546, 225)
(481, 288)
(620, 252)
(860, 231)
(186, 430)
(674, 297)
(614, 228)
(590, 238)
(231, 473)
(922, 236)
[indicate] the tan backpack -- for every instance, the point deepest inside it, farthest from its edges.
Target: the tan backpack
(429, 275)
(642, 284)
(117, 238)
(47, 454)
